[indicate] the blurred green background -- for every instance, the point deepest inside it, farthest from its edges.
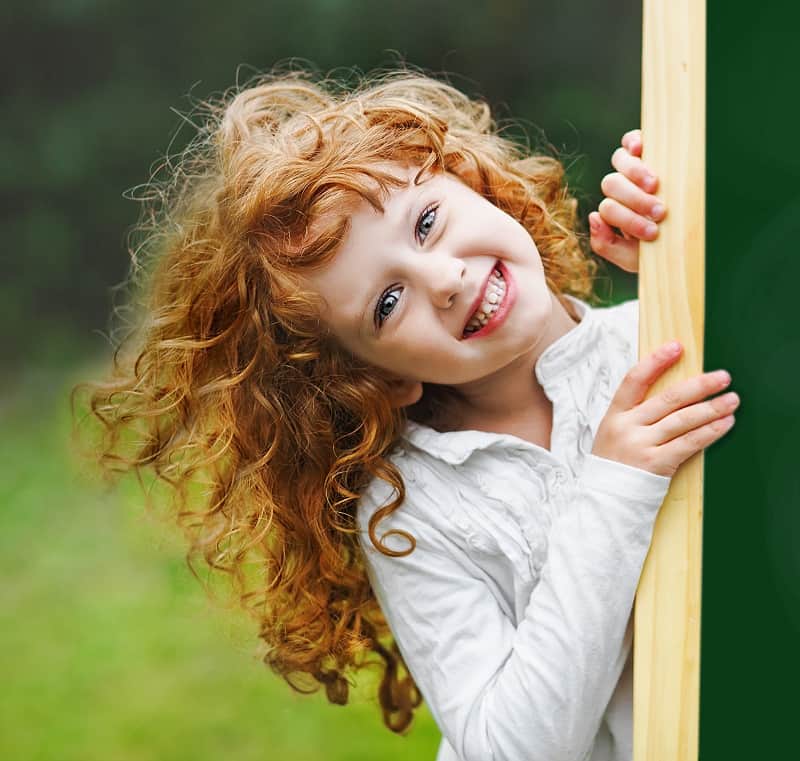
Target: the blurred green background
(108, 647)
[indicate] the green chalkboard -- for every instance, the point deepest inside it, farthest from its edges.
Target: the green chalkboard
(750, 635)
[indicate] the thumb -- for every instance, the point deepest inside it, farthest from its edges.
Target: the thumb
(620, 250)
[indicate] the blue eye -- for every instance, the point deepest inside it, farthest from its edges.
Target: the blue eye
(386, 304)
(425, 223)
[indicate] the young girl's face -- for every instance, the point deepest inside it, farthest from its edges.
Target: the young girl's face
(441, 287)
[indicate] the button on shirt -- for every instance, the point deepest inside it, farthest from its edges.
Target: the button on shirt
(513, 611)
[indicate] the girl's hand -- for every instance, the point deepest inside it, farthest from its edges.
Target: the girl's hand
(628, 206)
(662, 432)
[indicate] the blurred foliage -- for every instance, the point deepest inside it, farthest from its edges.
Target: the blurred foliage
(88, 89)
(109, 649)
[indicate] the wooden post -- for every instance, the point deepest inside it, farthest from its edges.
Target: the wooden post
(671, 292)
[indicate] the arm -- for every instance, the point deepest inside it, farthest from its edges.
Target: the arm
(538, 691)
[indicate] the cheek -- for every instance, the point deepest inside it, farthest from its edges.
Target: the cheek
(414, 349)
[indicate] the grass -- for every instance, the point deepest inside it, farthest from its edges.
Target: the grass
(109, 648)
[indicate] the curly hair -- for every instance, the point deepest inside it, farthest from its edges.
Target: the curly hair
(232, 391)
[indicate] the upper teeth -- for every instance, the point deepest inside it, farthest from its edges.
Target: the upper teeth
(492, 298)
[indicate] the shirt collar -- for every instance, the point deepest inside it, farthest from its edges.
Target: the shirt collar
(565, 353)
(555, 362)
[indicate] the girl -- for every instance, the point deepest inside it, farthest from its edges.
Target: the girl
(368, 365)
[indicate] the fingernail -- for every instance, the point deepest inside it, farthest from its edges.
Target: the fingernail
(650, 228)
(657, 211)
(673, 347)
(650, 180)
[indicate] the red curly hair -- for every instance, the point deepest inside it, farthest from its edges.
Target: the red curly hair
(232, 392)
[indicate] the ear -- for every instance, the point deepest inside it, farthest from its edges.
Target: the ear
(404, 392)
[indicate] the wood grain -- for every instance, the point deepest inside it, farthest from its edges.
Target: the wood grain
(672, 294)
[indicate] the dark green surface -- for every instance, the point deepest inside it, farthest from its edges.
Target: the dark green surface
(750, 669)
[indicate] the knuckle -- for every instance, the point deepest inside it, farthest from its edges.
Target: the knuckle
(635, 376)
(717, 405)
(683, 419)
(710, 432)
(619, 155)
(626, 259)
(613, 428)
(696, 439)
(721, 425)
(606, 208)
(650, 459)
(671, 397)
(642, 226)
(697, 388)
(608, 181)
(657, 462)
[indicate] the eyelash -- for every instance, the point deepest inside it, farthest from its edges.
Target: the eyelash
(428, 210)
(380, 319)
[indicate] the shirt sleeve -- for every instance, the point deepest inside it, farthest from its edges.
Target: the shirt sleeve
(536, 691)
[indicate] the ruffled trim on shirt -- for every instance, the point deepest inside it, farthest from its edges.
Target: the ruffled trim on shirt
(456, 447)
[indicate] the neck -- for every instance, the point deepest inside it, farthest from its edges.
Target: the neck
(511, 400)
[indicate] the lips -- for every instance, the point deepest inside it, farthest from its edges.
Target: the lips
(491, 304)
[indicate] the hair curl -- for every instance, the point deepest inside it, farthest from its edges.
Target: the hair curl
(232, 392)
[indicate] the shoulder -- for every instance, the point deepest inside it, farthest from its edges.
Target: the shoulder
(437, 471)
(426, 487)
(622, 319)
(619, 325)
(476, 497)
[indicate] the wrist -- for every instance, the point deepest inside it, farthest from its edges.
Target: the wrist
(621, 480)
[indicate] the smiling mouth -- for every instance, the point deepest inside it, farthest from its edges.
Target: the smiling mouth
(492, 298)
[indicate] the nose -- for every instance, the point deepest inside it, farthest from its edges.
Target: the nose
(444, 276)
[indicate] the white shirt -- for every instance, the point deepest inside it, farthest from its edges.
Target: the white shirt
(513, 612)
